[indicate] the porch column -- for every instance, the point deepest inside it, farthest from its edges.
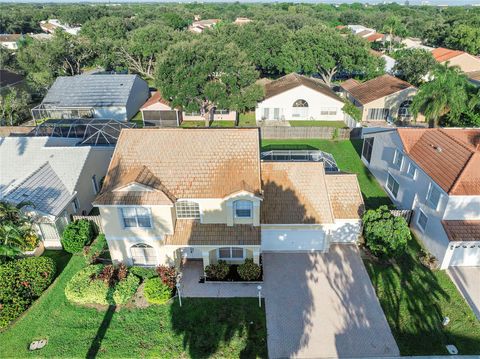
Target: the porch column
(448, 255)
(206, 259)
(256, 256)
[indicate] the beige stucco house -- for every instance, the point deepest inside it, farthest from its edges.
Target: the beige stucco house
(467, 63)
(175, 194)
(384, 98)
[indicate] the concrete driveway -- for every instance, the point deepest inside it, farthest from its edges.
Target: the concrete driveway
(323, 305)
(467, 280)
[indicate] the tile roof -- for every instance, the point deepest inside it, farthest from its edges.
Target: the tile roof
(293, 80)
(474, 75)
(442, 54)
(301, 193)
(44, 189)
(462, 230)
(375, 37)
(451, 157)
(349, 84)
(10, 37)
(377, 88)
(187, 163)
(191, 233)
(91, 90)
(345, 196)
(155, 98)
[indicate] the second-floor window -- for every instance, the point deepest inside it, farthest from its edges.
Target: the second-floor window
(243, 209)
(433, 196)
(136, 217)
(397, 159)
(187, 210)
(412, 170)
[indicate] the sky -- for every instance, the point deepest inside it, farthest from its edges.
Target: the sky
(412, 2)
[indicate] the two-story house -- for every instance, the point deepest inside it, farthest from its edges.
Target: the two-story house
(176, 193)
(436, 173)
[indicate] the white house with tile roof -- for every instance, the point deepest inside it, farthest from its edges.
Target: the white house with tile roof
(56, 176)
(205, 194)
(436, 173)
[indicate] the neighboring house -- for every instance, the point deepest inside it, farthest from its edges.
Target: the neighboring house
(201, 25)
(296, 97)
(56, 175)
(50, 26)
(361, 30)
(205, 194)
(117, 97)
(376, 37)
(41, 36)
(414, 43)
(436, 173)
(466, 62)
(474, 77)
(10, 41)
(242, 20)
(158, 112)
(389, 61)
(384, 98)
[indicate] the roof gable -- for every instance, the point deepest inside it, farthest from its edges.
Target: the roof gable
(442, 54)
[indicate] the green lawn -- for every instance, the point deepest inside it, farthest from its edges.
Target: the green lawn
(194, 124)
(347, 155)
(201, 328)
(247, 120)
(415, 300)
(138, 119)
(336, 124)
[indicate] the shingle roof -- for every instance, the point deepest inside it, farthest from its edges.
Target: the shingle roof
(301, 193)
(293, 80)
(90, 91)
(377, 88)
(442, 54)
(191, 232)
(450, 157)
(462, 230)
(44, 189)
(188, 163)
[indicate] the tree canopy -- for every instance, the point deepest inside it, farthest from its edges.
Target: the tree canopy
(414, 65)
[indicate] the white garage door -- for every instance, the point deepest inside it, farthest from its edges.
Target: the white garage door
(466, 255)
(293, 240)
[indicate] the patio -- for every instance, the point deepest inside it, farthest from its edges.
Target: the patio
(192, 271)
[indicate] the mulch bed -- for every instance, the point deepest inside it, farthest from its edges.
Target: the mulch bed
(233, 276)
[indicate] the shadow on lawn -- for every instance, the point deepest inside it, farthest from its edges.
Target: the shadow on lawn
(97, 341)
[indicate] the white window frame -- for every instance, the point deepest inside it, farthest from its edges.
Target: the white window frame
(378, 114)
(420, 212)
(76, 205)
(432, 187)
(95, 185)
(388, 189)
(410, 166)
(231, 251)
(242, 201)
(143, 246)
(328, 111)
(398, 154)
(366, 143)
(122, 216)
(265, 113)
(186, 211)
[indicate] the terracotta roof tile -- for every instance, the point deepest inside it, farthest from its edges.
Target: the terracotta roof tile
(442, 54)
(156, 97)
(377, 88)
(462, 230)
(293, 80)
(345, 196)
(449, 157)
(375, 37)
(188, 163)
(191, 232)
(349, 84)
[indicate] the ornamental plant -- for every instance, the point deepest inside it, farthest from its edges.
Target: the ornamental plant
(168, 275)
(77, 235)
(385, 235)
(156, 292)
(249, 270)
(217, 271)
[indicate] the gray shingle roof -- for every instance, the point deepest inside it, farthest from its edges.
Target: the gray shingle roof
(44, 189)
(90, 91)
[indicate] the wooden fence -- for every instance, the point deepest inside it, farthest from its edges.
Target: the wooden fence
(95, 219)
(405, 213)
(281, 132)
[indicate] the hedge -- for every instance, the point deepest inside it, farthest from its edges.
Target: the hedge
(77, 235)
(156, 292)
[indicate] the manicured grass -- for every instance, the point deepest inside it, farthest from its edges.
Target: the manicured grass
(336, 124)
(60, 257)
(347, 155)
(415, 300)
(247, 120)
(194, 124)
(218, 328)
(138, 120)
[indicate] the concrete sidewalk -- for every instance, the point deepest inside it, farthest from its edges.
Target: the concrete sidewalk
(467, 280)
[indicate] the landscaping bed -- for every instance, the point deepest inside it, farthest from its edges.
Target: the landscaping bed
(248, 271)
(233, 276)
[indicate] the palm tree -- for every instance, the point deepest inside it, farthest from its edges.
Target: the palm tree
(448, 94)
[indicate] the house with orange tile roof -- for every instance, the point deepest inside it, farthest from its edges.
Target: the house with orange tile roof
(173, 194)
(435, 173)
(384, 98)
(467, 63)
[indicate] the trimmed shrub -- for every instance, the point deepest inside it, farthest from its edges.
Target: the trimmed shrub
(77, 235)
(125, 289)
(156, 292)
(143, 273)
(217, 271)
(12, 310)
(168, 275)
(385, 235)
(84, 288)
(249, 270)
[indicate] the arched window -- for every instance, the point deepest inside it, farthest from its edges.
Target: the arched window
(143, 255)
(404, 109)
(300, 103)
